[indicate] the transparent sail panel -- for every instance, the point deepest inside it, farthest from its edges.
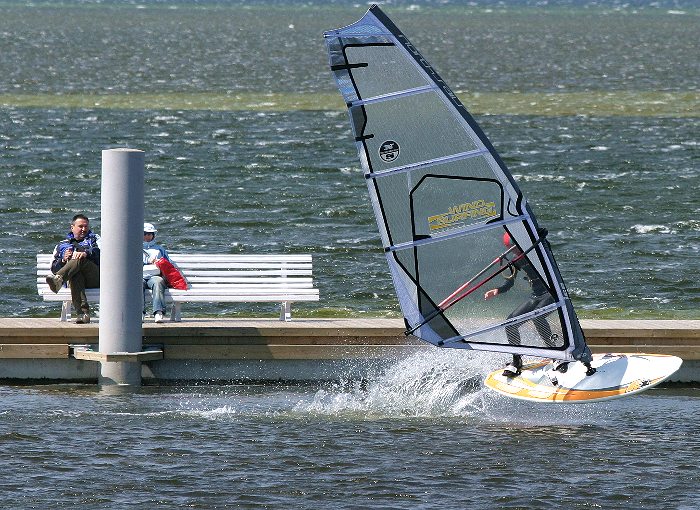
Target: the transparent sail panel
(428, 131)
(451, 275)
(414, 204)
(386, 70)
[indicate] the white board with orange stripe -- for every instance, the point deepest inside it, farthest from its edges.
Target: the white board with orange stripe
(617, 375)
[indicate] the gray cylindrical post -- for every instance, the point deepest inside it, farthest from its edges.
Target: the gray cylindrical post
(121, 281)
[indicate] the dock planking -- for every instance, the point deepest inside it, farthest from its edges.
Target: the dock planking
(309, 339)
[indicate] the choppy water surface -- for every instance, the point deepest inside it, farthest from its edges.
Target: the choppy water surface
(423, 434)
(249, 150)
(618, 195)
(593, 106)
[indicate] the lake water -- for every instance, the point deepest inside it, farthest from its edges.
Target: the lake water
(594, 107)
(424, 434)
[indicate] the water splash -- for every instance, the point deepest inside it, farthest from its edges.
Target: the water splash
(446, 384)
(438, 383)
(225, 411)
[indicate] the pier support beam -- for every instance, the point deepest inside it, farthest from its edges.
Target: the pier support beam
(121, 281)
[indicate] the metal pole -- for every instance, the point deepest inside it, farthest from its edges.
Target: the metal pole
(121, 291)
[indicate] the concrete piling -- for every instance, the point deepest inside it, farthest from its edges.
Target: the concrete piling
(121, 291)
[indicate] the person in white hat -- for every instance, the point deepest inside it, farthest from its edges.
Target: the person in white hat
(152, 280)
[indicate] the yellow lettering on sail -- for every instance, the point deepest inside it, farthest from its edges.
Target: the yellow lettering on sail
(462, 214)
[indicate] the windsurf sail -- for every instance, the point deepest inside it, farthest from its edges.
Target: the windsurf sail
(470, 265)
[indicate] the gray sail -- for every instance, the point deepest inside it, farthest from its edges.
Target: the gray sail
(453, 222)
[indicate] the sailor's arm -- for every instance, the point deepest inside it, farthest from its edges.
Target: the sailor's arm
(510, 281)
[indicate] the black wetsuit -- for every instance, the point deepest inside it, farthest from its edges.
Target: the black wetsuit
(540, 297)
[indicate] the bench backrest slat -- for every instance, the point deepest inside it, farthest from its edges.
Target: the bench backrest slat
(224, 265)
(215, 257)
(216, 269)
(227, 280)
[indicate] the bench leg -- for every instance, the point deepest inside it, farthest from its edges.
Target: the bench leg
(176, 312)
(65, 311)
(286, 311)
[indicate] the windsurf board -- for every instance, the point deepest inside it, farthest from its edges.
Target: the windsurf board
(617, 375)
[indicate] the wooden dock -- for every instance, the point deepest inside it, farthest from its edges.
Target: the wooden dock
(268, 349)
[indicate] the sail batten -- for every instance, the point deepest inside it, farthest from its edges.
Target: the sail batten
(391, 96)
(471, 267)
(529, 316)
(459, 233)
(427, 164)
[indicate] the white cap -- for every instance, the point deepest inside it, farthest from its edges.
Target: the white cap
(149, 227)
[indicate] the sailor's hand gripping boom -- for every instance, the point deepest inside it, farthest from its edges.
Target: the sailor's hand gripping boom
(464, 290)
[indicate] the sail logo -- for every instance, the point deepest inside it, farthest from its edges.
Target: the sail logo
(389, 151)
(462, 214)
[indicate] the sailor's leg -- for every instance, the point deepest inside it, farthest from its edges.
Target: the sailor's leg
(514, 368)
(589, 369)
(517, 361)
(513, 335)
(512, 332)
(541, 323)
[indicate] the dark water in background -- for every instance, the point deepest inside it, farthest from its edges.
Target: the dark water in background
(617, 192)
(622, 216)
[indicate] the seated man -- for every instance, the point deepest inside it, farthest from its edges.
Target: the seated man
(76, 260)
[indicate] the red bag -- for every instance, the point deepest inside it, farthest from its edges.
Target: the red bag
(172, 275)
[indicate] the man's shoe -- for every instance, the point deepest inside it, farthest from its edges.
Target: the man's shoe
(83, 318)
(55, 282)
(511, 370)
(158, 317)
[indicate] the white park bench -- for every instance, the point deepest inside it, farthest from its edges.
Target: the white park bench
(213, 278)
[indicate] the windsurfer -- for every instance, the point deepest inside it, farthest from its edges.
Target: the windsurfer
(539, 298)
